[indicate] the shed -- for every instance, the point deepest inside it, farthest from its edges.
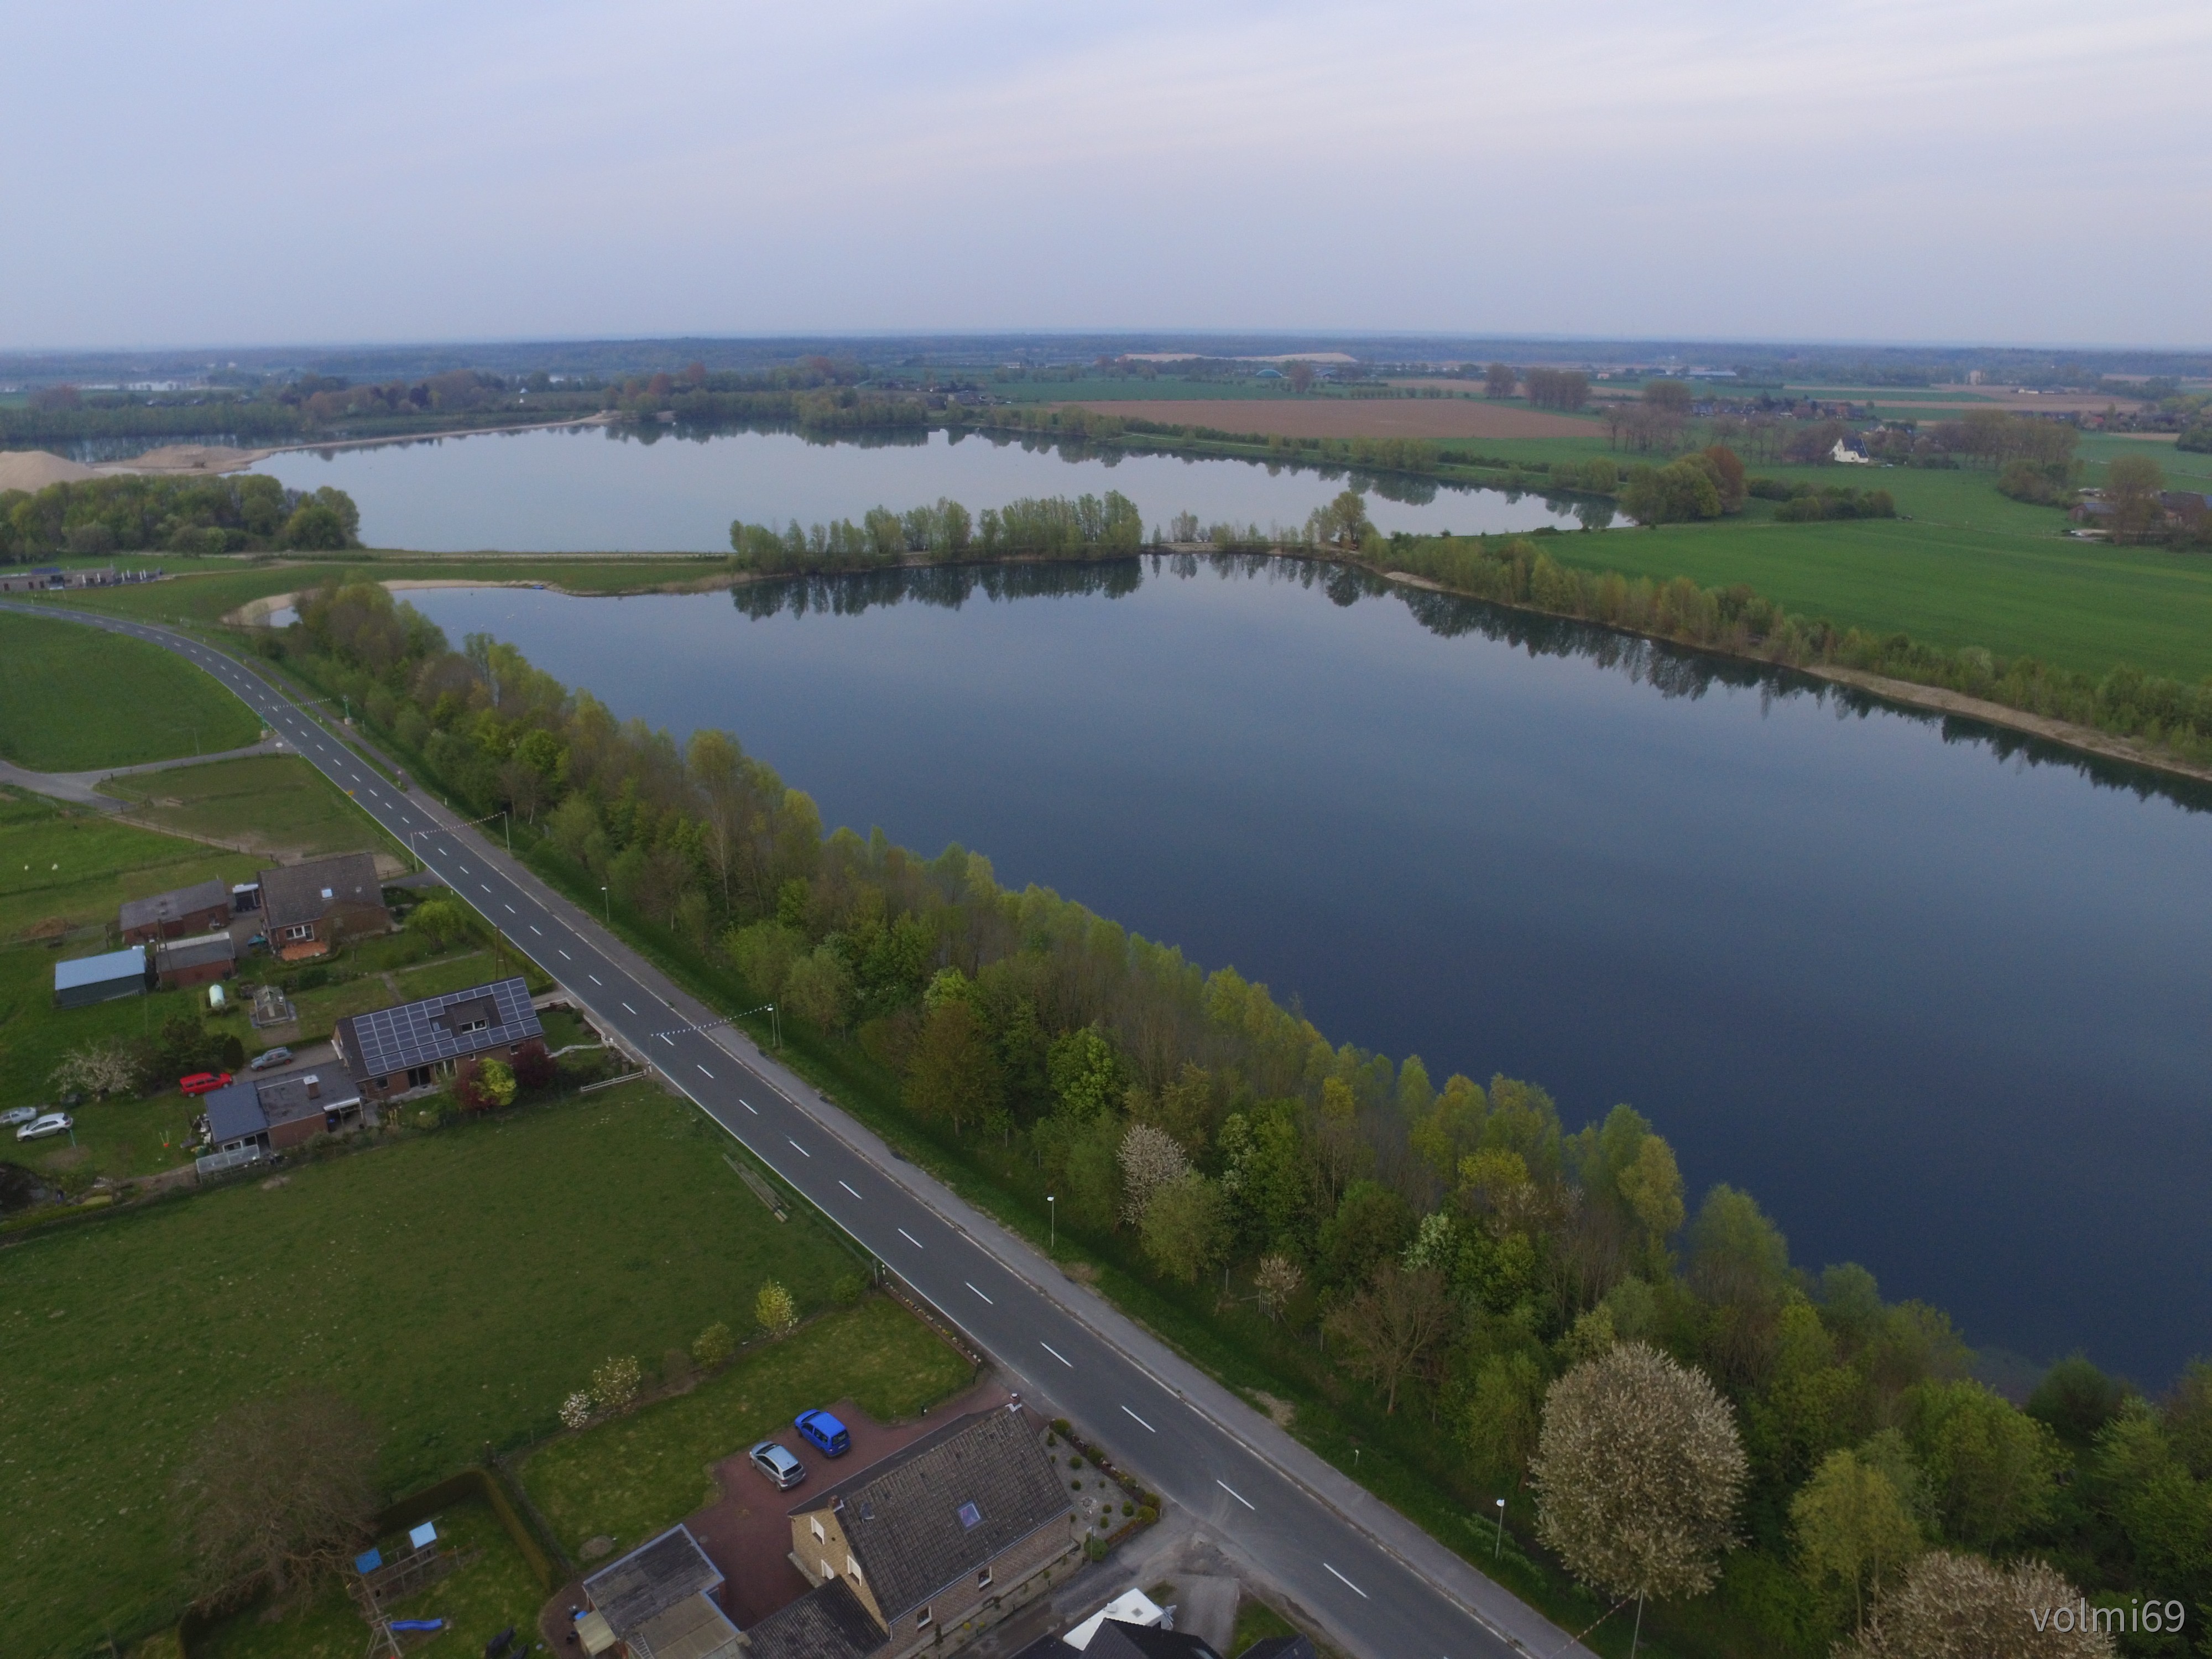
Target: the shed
(87, 980)
(658, 1602)
(172, 914)
(195, 961)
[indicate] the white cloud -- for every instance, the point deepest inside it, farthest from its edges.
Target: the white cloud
(1872, 169)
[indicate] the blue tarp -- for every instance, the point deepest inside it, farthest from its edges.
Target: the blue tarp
(367, 1562)
(418, 1623)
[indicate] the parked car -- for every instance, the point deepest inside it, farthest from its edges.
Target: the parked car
(203, 1083)
(53, 1123)
(268, 1057)
(823, 1432)
(15, 1115)
(782, 1470)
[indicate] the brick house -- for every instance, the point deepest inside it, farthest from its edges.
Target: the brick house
(277, 1114)
(932, 1538)
(306, 908)
(195, 909)
(396, 1049)
(185, 962)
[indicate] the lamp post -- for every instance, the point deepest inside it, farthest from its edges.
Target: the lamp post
(610, 905)
(1499, 1548)
(1052, 1212)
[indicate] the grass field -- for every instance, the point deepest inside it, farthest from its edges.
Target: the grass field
(73, 698)
(495, 1592)
(277, 805)
(457, 1285)
(632, 1477)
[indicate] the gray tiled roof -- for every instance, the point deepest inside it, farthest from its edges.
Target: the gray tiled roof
(903, 1515)
(194, 952)
(179, 902)
(1280, 1647)
(306, 892)
(1116, 1640)
(829, 1623)
(420, 1033)
(287, 1099)
(651, 1579)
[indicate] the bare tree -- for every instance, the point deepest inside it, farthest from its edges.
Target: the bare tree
(1392, 1326)
(279, 1492)
(1638, 1471)
(1960, 1606)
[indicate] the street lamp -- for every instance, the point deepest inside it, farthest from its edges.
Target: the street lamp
(1499, 1550)
(610, 904)
(1052, 1213)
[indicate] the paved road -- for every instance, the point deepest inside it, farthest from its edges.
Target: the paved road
(1380, 1586)
(81, 786)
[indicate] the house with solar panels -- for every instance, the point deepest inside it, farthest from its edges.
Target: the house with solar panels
(395, 1051)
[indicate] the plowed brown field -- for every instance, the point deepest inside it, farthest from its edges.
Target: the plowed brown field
(1357, 418)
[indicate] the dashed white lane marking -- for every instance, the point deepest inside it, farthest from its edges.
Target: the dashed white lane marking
(971, 1283)
(1057, 1354)
(1237, 1495)
(535, 929)
(849, 1189)
(1139, 1421)
(709, 1074)
(594, 978)
(911, 1239)
(511, 910)
(565, 956)
(628, 1009)
(1346, 1583)
(802, 1151)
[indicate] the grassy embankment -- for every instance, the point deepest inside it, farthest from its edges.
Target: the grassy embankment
(457, 1285)
(71, 700)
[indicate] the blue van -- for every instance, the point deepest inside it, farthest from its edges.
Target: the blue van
(823, 1432)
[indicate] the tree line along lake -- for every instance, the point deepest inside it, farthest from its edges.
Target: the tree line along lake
(1932, 994)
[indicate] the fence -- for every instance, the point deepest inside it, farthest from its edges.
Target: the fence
(216, 1163)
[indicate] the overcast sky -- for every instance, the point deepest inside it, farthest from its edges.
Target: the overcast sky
(1900, 170)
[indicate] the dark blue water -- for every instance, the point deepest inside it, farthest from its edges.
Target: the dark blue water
(624, 490)
(1940, 1003)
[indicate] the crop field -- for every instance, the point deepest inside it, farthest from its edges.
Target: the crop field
(457, 1285)
(275, 805)
(73, 698)
(629, 1478)
(1354, 418)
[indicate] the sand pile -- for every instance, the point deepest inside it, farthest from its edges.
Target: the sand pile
(34, 469)
(189, 457)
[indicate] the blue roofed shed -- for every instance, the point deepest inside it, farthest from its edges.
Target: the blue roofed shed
(87, 980)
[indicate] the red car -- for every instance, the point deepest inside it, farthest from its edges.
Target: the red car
(202, 1083)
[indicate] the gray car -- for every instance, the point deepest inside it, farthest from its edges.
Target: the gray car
(782, 1470)
(15, 1115)
(53, 1123)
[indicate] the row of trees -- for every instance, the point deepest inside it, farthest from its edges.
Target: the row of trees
(1451, 1249)
(189, 515)
(1557, 388)
(1050, 526)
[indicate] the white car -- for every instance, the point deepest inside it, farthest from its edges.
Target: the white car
(15, 1115)
(53, 1123)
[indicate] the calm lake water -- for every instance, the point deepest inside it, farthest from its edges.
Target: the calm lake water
(1937, 1000)
(669, 489)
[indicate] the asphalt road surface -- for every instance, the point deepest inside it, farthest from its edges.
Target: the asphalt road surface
(1379, 1586)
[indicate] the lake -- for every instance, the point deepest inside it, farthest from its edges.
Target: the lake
(631, 489)
(1935, 997)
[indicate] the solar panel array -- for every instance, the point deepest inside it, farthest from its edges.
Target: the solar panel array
(394, 1039)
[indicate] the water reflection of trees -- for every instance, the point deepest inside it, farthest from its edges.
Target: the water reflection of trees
(1672, 671)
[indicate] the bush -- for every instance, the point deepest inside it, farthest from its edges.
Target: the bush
(534, 1068)
(776, 1309)
(616, 1382)
(714, 1345)
(847, 1289)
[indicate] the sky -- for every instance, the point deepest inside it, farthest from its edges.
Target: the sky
(2025, 171)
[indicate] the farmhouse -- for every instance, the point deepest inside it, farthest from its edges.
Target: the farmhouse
(395, 1050)
(307, 907)
(182, 962)
(172, 914)
(937, 1535)
(662, 1601)
(87, 980)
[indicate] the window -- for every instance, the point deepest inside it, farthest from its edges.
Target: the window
(983, 1579)
(851, 1569)
(971, 1517)
(462, 1028)
(300, 930)
(921, 1619)
(819, 1535)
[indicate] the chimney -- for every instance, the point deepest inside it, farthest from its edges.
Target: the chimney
(314, 1086)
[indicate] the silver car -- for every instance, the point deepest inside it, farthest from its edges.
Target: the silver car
(15, 1115)
(782, 1470)
(53, 1123)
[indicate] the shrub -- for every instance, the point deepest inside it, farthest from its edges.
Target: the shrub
(616, 1382)
(534, 1068)
(576, 1410)
(847, 1289)
(714, 1345)
(776, 1309)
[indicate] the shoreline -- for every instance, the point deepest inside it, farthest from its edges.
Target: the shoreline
(2084, 739)
(238, 460)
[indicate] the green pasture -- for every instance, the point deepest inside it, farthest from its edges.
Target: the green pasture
(75, 867)
(629, 1478)
(73, 698)
(457, 1285)
(277, 805)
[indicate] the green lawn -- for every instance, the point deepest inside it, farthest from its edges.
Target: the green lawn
(495, 1592)
(74, 865)
(457, 1285)
(73, 698)
(637, 1474)
(278, 804)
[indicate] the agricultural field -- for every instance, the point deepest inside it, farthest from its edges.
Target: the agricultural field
(1356, 417)
(628, 1479)
(457, 1285)
(275, 805)
(73, 698)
